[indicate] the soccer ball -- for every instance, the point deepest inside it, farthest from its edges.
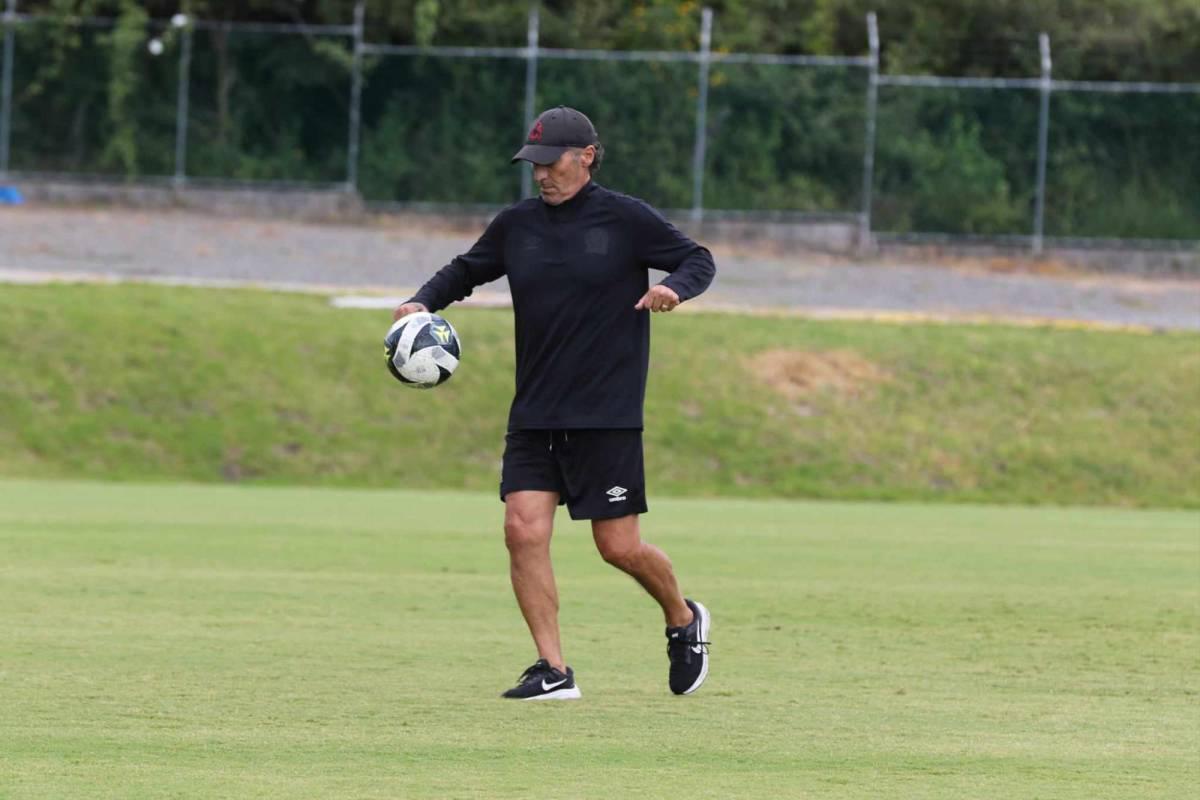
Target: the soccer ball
(422, 350)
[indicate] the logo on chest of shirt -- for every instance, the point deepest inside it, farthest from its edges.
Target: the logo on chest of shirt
(595, 242)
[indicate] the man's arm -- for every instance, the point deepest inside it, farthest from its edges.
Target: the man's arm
(484, 262)
(660, 245)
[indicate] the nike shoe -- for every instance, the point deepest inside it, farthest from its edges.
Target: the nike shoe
(544, 682)
(687, 647)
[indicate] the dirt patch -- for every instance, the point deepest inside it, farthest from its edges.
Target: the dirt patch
(797, 374)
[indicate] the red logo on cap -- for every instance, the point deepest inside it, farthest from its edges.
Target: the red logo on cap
(535, 134)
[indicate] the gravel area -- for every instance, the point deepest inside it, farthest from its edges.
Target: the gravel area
(39, 243)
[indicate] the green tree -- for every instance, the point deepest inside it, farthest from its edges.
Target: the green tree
(124, 46)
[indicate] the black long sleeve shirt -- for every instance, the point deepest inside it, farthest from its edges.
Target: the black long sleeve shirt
(575, 272)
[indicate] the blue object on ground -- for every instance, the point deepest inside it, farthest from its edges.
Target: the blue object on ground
(10, 196)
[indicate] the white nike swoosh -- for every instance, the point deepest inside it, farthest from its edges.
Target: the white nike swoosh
(697, 649)
(548, 686)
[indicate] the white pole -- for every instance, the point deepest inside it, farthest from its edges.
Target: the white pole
(706, 18)
(865, 242)
(181, 102)
(531, 65)
(10, 22)
(355, 100)
(1043, 144)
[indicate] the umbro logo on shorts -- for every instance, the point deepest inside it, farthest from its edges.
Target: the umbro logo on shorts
(617, 494)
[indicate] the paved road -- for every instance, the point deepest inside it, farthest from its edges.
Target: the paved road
(394, 256)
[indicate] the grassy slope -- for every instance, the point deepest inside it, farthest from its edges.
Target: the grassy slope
(243, 642)
(136, 382)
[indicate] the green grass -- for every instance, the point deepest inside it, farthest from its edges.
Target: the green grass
(191, 641)
(151, 383)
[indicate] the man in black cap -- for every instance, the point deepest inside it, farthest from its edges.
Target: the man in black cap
(576, 260)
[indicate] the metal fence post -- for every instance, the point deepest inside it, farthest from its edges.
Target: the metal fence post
(182, 97)
(531, 65)
(355, 100)
(10, 22)
(1039, 212)
(864, 221)
(706, 18)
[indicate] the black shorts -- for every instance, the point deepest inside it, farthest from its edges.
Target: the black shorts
(597, 473)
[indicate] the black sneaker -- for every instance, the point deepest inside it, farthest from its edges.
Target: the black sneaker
(544, 682)
(687, 648)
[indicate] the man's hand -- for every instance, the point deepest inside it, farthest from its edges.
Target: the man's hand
(659, 298)
(406, 309)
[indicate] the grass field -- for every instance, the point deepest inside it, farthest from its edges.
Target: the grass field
(153, 383)
(190, 641)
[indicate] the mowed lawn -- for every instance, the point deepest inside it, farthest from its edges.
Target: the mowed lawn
(190, 641)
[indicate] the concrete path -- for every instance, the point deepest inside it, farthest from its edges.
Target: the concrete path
(393, 257)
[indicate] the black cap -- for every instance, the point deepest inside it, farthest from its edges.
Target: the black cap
(554, 131)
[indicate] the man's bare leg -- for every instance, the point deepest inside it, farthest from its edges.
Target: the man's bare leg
(620, 544)
(528, 524)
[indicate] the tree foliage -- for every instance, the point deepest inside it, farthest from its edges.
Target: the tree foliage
(1093, 39)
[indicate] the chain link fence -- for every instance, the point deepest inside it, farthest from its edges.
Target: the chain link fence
(701, 133)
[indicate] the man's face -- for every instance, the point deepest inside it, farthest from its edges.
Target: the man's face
(558, 182)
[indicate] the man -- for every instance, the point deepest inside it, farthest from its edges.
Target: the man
(576, 260)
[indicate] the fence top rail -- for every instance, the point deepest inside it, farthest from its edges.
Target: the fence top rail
(964, 83)
(797, 60)
(200, 24)
(577, 54)
(454, 52)
(1114, 87)
(274, 27)
(19, 18)
(1134, 87)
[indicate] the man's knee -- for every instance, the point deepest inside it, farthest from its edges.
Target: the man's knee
(523, 531)
(619, 549)
(622, 556)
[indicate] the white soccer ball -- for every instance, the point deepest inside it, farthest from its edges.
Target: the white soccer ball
(422, 350)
